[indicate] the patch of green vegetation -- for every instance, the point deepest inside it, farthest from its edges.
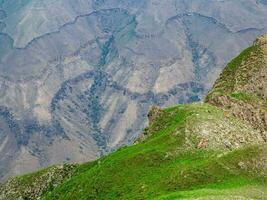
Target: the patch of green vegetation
(241, 96)
(166, 165)
(249, 98)
(243, 192)
(242, 57)
(161, 165)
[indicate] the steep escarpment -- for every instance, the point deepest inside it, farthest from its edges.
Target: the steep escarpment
(200, 150)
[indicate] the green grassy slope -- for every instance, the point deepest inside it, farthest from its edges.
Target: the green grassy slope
(196, 151)
(169, 161)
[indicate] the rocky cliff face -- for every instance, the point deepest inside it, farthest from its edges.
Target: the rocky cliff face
(77, 78)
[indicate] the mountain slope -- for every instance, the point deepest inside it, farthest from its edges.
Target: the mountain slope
(77, 77)
(187, 152)
(174, 158)
(241, 89)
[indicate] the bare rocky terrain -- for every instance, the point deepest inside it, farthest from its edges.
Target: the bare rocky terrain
(77, 78)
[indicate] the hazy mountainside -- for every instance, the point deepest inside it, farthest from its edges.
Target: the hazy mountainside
(77, 77)
(193, 151)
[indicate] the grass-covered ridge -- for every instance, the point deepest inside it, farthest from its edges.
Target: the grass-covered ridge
(170, 160)
(177, 160)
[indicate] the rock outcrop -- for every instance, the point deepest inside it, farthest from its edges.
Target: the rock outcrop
(241, 89)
